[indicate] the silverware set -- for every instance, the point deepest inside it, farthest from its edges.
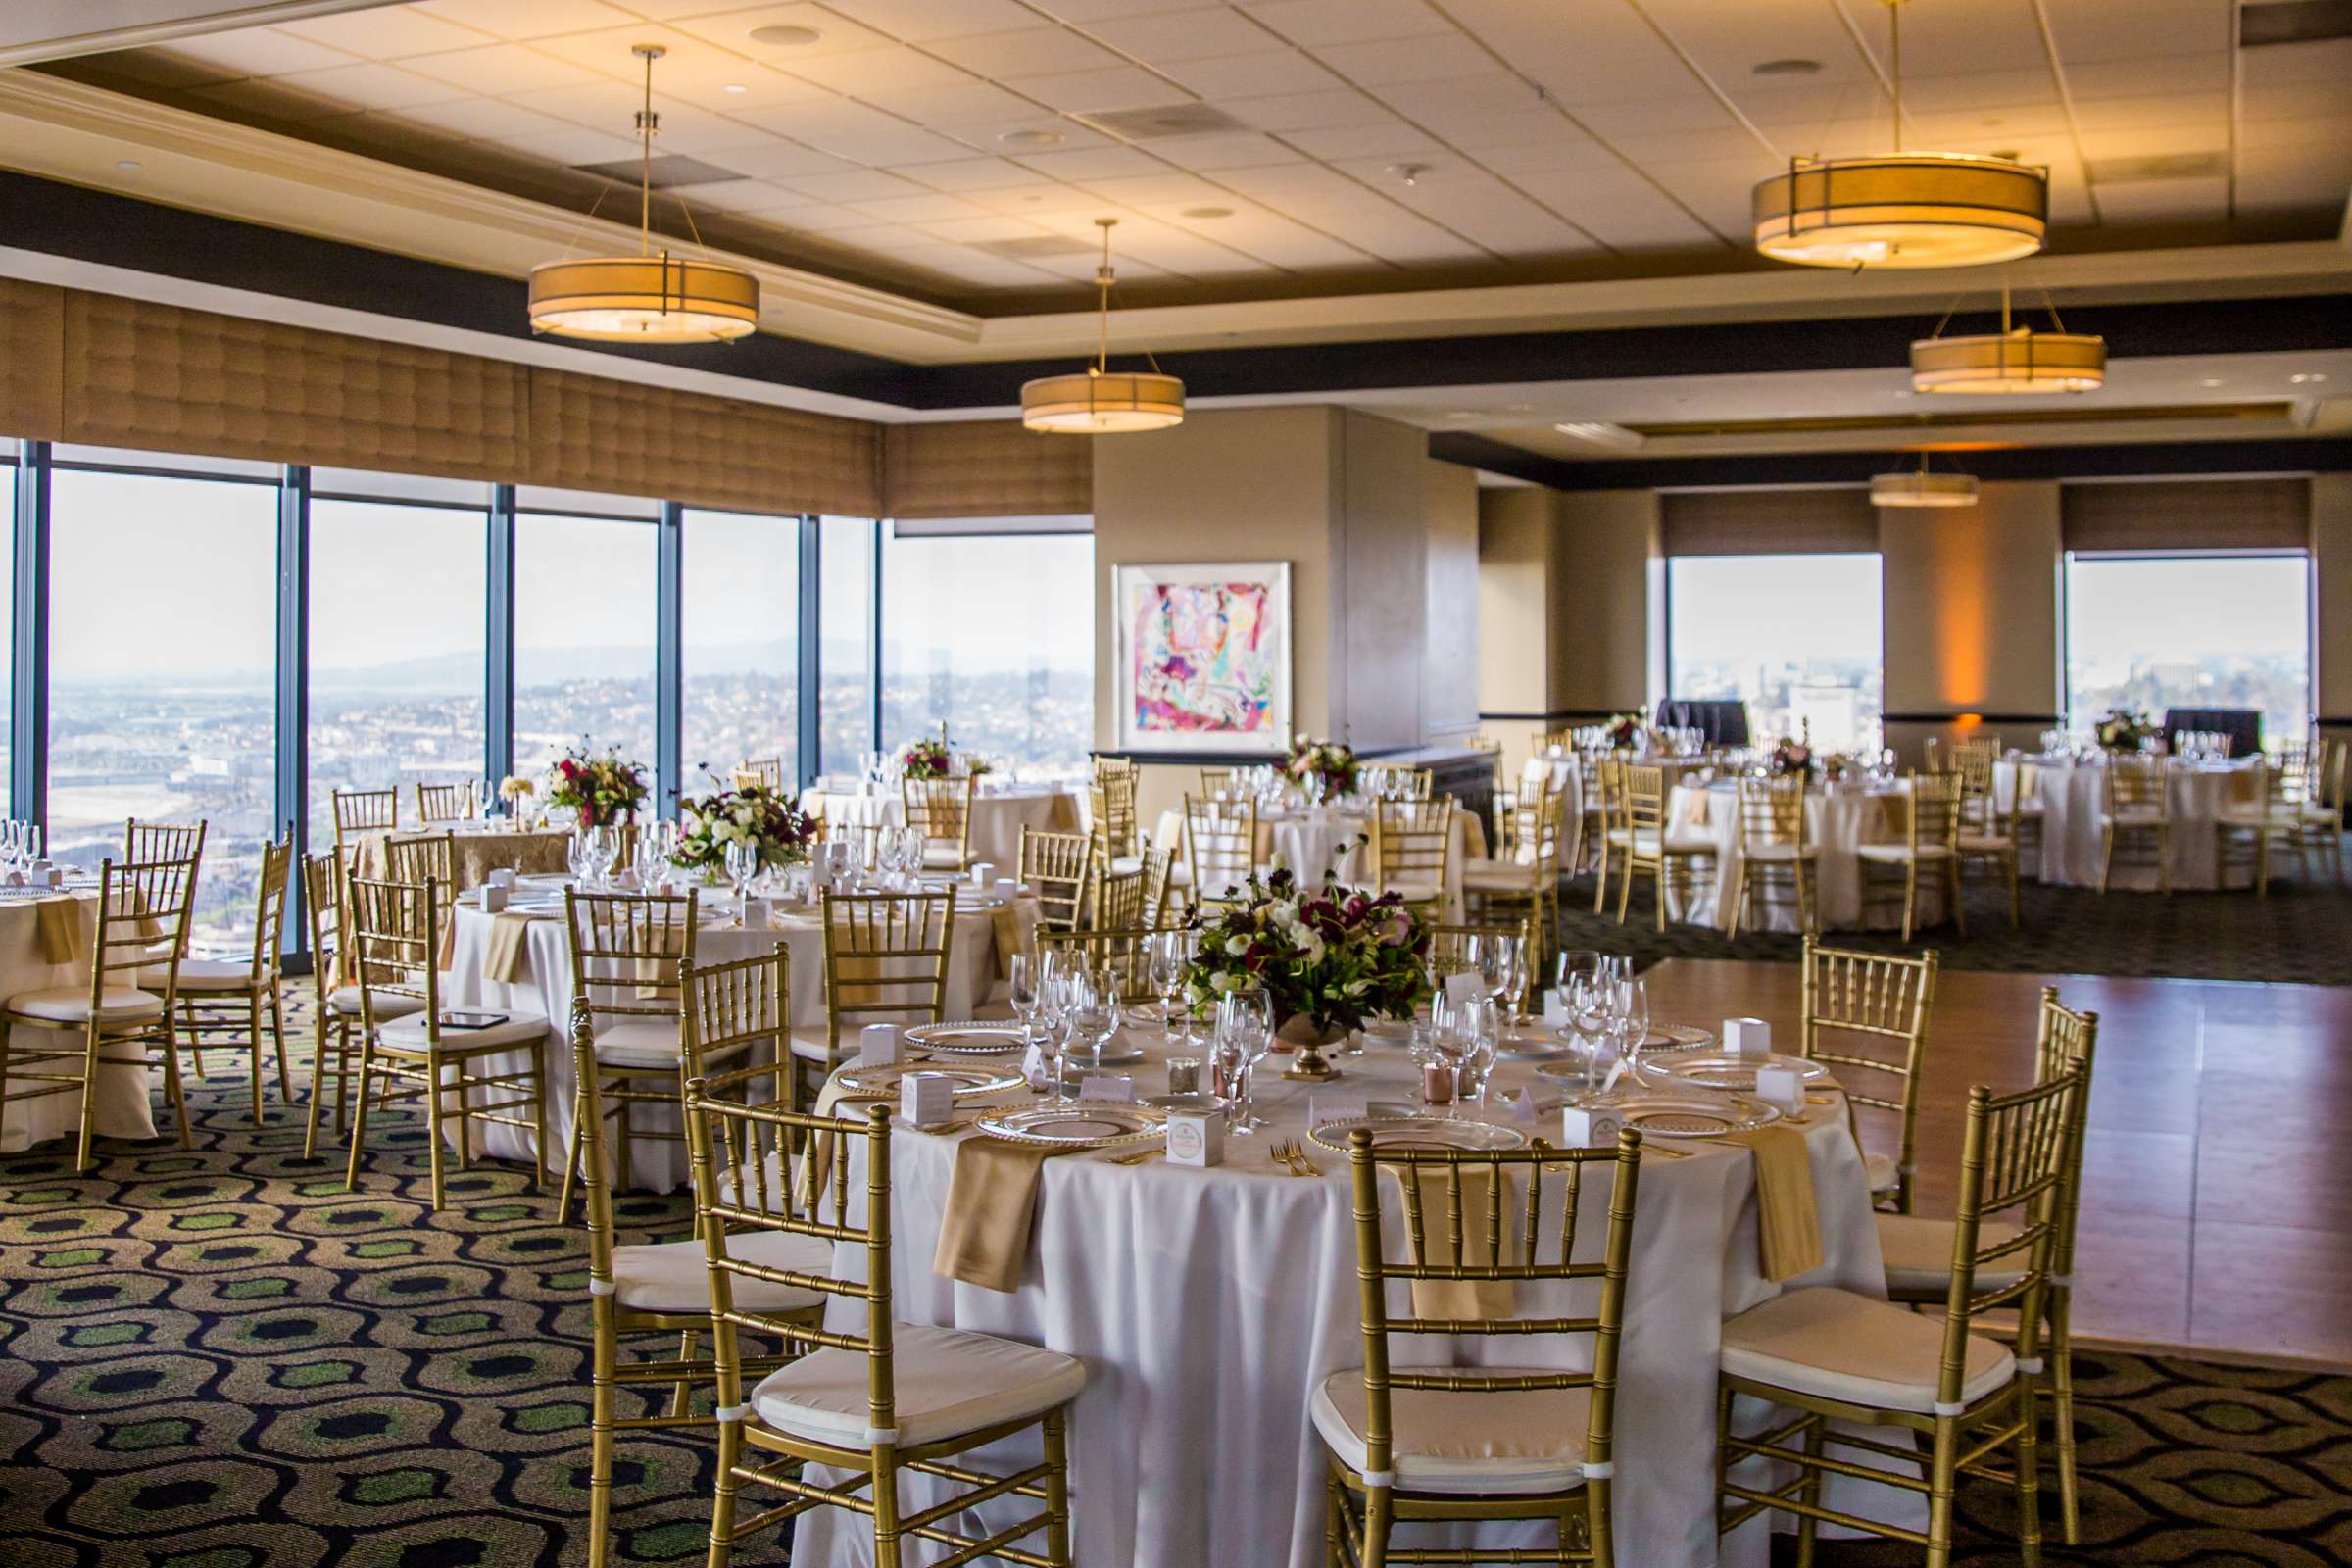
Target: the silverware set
(1293, 1158)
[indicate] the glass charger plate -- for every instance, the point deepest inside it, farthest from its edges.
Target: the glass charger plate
(1676, 1037)
(1420, 1132)
(1531, 1042)
(1725, 1069)
(1666, 1115)
(867, 1083)
(1077, 1126)
(969, 1038)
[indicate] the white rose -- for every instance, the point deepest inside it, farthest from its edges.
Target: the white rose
(1221, 981)
(1237, 946)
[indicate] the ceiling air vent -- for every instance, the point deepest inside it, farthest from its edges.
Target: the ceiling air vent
(2293, 22)
(1157, 124)
(1031, 246)
(2161, 166)
(666, 171)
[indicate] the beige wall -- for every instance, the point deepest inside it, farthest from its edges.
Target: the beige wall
(1380, 615)
(1450, 665)
(2331, 566)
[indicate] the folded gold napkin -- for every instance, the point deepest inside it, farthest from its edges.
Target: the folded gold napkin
(1014, 925)
(1462, 1300)
(1787, 1223)
(992, 1197)
(60, 930)
(508, 959)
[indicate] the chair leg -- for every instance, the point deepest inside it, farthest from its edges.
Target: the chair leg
(600, 1440)
(1379, 1508)
(2106, 856)
(1625, 889)
(1952, 894)
(1739, 903)
(278, 1033)
(886, 1506)
(432, 1125)
(1808, 1528)
(1664, 880)
(1331, 1523)
(1910, 896)
(359, 1114)
(2062, 1413)
(1057, 1487)
(681, 1393)
(1942, 1471)
(2029, 1471)
(722, 1501)
(571, 1165)
(175, 1088)
(90, 1098)
(1600, 881)
(253, 1053)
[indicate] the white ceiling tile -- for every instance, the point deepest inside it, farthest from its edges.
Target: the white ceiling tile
(2328, 60)
(1183, 36)
(921, 20)
(779, 159)
(1086, 11)
(1961, 129)
(733, 29)
(1304, 110)
(1168, 191)
(385, 33)
(895, 69)
(2300, 100)
(1263, 75)
(730, 196)
(1606, 56)
(1025, 52)
(1983, 36)
(1396, 139)
(1106, 163)
(1688, 110)
(2288, 179)
(1516, 127)
(1437, 57)
(260, 52)
(370, 85)
(1223, 152)
(2167, 200)
(1121, 87)
(852, 185)
(980, 229)
(1490, 92)
(2328, 137)
(930, 207)
(1322, 21)
(1617, 207)
(974, 104)
(2147, 142)
(971, 173)
(482, 118)
(818, 219)
(2162, 73)
(525, 19)
(1474, 205)
(1034, 201)
(1571, 153)
(1967, 91)
(500, 69)
(823, 115)
(574, 144)
(2170, 109)
(1698, 147)
(2089, 30)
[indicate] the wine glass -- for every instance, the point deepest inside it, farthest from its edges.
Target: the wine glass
(1245, 1034)
(1094, 1014)
(1450, 1031)
(742, 865)
(1167, 960)
(1022, 992)
(577, 857)
(1485, 1026)
(1632, 1019)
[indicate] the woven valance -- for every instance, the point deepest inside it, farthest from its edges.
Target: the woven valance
(2188, 514)
(1768, 523)
(33, 359)
(984, 469)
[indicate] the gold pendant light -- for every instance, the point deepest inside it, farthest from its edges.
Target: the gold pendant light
(1099, 401)
(2013, 360)
(649, 297)
(1904, 210)
(1917, 487)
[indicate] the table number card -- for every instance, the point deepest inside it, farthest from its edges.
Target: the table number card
(1106, 1088)
(1747, 1037)
(926, 1099)
(1594, 1128)
(1781, 1087)
(878, 1045)
(1196, 1138)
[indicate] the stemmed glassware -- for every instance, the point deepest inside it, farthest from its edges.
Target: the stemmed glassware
(1167, 958)
(1245, 1034)
(742, 865)
(1094, 1014)
(1023, 988)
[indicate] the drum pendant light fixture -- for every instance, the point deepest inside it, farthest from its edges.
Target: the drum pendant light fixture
(1917, 487)
(1904, 210)
(2016, 359)
(1101, 401)
(649, 297)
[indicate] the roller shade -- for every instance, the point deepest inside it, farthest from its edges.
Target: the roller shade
(1768, 523)
(33, 359)
(984, 469)
(2188, 514)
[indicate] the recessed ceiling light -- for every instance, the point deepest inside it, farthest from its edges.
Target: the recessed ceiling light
(2300, 377)
(130, 166)
(1410, 173)
(1031, 138)
(2211, 380)
(1460, 413)
(734, 86)
(786, 35)
(1793, 67)
(1207, 211)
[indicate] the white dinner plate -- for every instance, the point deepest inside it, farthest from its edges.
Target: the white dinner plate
(1412, 1133)
(1730, 1070)
(970, 1038)
(867, 1083)
(1078, 1126)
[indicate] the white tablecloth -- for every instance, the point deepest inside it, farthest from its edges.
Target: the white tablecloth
(1336, 839)
(1208, 1306)
(998, 816)
(2073, 793)
(658, 1164)
(123, 1108)
(1839, 822)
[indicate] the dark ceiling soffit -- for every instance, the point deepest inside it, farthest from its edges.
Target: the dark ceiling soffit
(98, 226)
(2116, 462)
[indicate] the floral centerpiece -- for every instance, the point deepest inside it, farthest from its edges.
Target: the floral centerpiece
(1329, 760)
(753, 814)
(1327, 959)
(1836, 766)
(1625, 730)
(601, 790)
(1790, 755)
(926, 758)
(2123, 729)
(516, 790)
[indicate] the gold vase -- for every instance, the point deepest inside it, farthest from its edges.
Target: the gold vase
(1306, 1039)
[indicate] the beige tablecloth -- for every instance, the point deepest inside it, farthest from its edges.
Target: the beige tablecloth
(1839, 822)
(479, 853)
(998, 816)
(2073, 794)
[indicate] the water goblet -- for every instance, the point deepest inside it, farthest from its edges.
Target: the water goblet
(1021, 988)
(1167, 960)
(742, 865)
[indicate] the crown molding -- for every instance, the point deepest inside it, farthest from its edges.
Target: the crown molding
(204, 17)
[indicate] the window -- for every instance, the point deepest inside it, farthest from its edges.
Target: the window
(583, 638)
(1798, 638)
(993, 636)
(846, 643)
(396, 648)
(2154, 633)
(8, 610)
(740, 625)
(162, 699)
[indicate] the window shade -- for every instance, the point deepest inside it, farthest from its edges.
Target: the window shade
(1768, 523)
(2188, 514)
(984, 469)
(33, 359)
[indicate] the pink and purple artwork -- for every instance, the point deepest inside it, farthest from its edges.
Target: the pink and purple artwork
(1206, 656)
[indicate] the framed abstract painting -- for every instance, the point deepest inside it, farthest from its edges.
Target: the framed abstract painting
(1203, 657)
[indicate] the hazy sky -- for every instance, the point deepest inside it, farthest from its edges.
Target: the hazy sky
(1775, 607)
(2186, 609)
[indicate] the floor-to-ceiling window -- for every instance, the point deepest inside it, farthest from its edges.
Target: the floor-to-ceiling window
(846, 643)
(2190, 631)
(584, 629)
(398, 578)
(163, 642)
(992, 633)
(1798, 638)
(8, 602)
(739, 635)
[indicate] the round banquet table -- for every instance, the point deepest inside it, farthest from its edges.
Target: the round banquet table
(999, 814)
(1839, 819)
(124, 1107)
(1209, 1304)
(546, 985)
(1332, 839)
(2072, 792)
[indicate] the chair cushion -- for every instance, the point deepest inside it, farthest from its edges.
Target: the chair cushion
(1882, 1172)
(206, 974)
(2251, 816)
(72, 1004)
(1501, 877)
(1917, 1252)
(651, 1043)
(1679, 841)
(2133, 817)
(408, 1034)
(345, 999)
(1836, 1345)
(1896, 853)
(1783, 854)
(2320, 815)
(1490, 1443)
(675, 1276)
(941, 858)
(1986, 844)
(949, 1381)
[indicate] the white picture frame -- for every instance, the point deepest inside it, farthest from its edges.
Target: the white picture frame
(1225, 698)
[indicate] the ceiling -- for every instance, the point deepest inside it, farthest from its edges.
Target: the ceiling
(949, 149)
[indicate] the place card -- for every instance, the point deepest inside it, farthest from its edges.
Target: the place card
(1035, 1069)
(1196, 1137)
(1522, 1104)
(502, 877)
(984, 877)
(494, 898)
(926, 1099)
(878, 1045)
(50, 876)
(1555, 1008)
(1592, 1128)
(1747, 1037)
(1335, 1104)
(1781, 1087)
(1106, 1088)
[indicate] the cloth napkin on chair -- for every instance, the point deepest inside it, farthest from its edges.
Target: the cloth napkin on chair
(1787, 1221)
(1462, 1300)
(992, 1199)
(508, 958)
(60, 930)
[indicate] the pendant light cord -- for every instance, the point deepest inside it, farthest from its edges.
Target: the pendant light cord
(1895, 50)
(645, 163)
(1103, 277)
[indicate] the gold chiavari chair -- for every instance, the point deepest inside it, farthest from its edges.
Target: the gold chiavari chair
(2255, 826)
(1413, 851)
(1124, 951)
(1987, 835)
(941, 809)
(1524, 879)
(2319, 820)
(1654, 845)
(1920, 1252)
(1220, 846)
(151, 843)
(444, 802)
(1931, 842)
(1604, 807)
(1384, 780)
(391, 932)
(875, 1401)
(1160, 868)
(59, 1038)
(222, 1002)
(664, 1288)
(335, 998)
(1056, 866)
(1834, 1355)
(1116, 901)
(1545, 741)
(1773, 843)
(886, 961)
(766, 771)
(1415, 1443)
(1215, 782)
(2137, 804)
(1450, 945)
(626, 951)
(1849, 999)
(1110, 811)
(359, 811)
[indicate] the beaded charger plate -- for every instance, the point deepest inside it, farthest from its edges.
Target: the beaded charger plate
(1420, 1134)
(1077, 1126)
(1728, 1070)
(867, 1082)
(970, 1038)
(1668, 1115)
